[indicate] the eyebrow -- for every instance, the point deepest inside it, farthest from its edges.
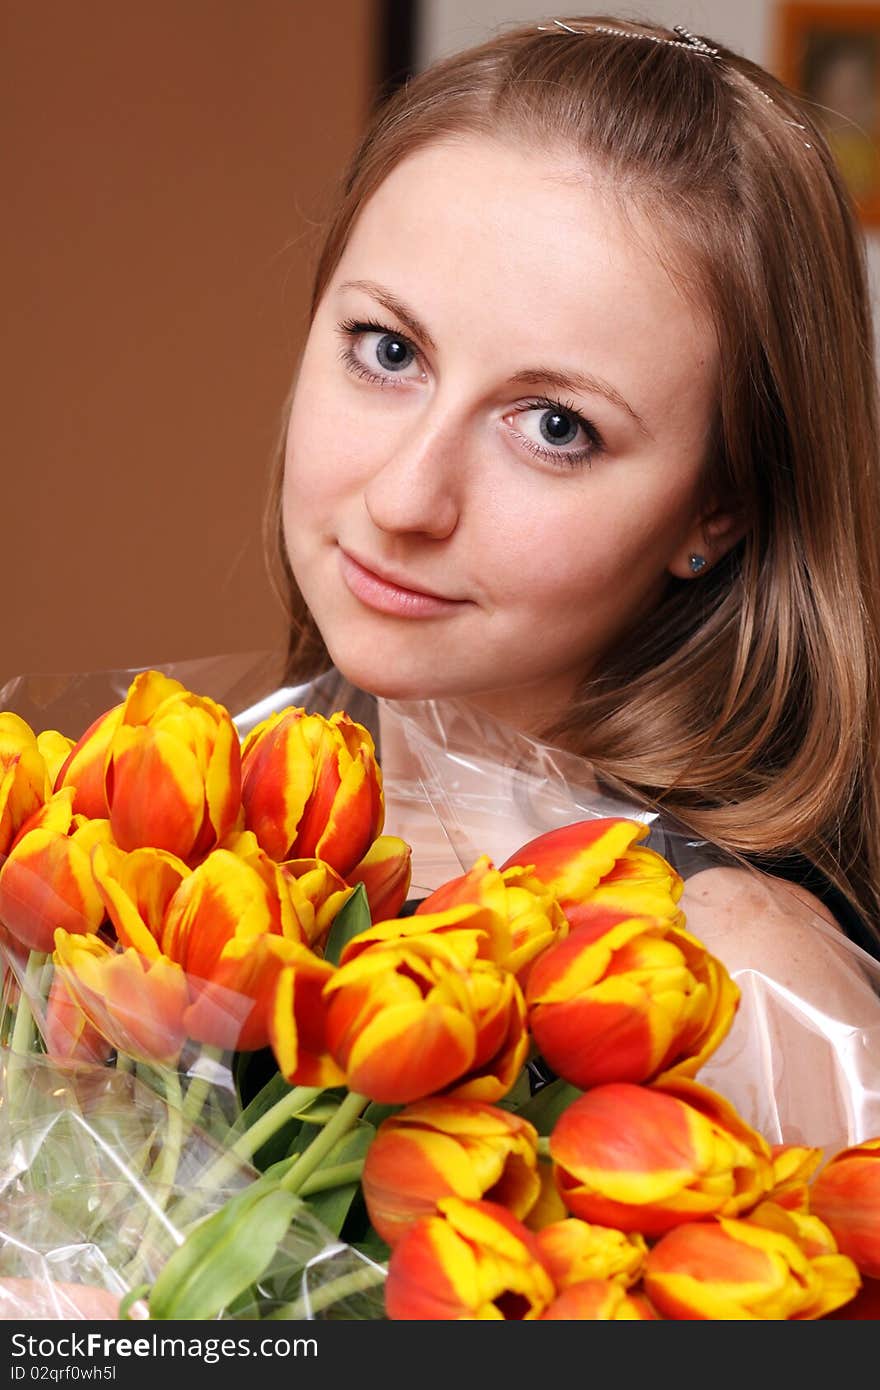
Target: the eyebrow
(575, 383)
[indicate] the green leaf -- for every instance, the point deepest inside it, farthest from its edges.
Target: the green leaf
(224, 1254)
(350, 921)
(544, 1108)
(275, 1089)
(331, 1207)
(376, 1113)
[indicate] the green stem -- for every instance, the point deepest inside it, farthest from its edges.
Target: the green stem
(164, 1169)
(318, 1299)
(198, 1088)
(21, 1043)
(346, 1118)
(543, 1145)
(245, 1147)
(337, 1176)
(23, 1029)
(162, 1174)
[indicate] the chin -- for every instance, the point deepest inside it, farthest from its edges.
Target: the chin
(390, 678)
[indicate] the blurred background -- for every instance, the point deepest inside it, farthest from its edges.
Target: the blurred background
(167, 169)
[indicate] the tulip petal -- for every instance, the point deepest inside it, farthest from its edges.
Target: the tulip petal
(155, 791)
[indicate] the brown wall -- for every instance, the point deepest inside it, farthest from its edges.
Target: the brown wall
(165, 166)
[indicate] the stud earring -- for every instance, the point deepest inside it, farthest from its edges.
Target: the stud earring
(696, 563)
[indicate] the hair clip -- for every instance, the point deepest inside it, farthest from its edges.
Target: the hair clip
(687, 39)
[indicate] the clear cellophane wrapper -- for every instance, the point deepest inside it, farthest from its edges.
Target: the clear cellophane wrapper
(85, 1215)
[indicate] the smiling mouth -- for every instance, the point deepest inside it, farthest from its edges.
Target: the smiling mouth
(386, 595)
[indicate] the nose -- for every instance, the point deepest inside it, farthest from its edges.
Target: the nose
(417, 488)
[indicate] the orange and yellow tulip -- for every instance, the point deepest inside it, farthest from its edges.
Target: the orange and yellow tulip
(846, 1195)
(69, 1033)
(46, 880)
(646, 1158)
(386, 873)
(172, 770)
(794, 1165)
(83, 768)
(419, 1014)
(24, 779)
(628, 999)
(297, 1019)
(440, 1147)
(212, 921)
(312, 789)
(600, 864)
(473, 1262)
(574, 1251)
(598, 1300)
(318, 893)
(468, 932)
(532, 918)
(737, 1270)
(138, 1005)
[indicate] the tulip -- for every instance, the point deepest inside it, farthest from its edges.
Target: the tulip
(532, 917)
(84, 766)
(226, 897)
(793, 1167)
(864, 1307)
(802, 1226)
(468, 931)
(386, 873)
(598, 1300)
(46, 880)
(55, 748)
(846, 1196)
(24, 781)
(318, 894)
(312, 789)
(737, 1270)
(641, 1158)
(628, 999)
(442, 1147)
(69, 1033)
(409, 1017)
(138, 1005)
(548, 1206)
(212, 921)
(297, 1020)
(172, 771)
(599, 862)
(474, 1262)
(574, 1251)
(217, 926)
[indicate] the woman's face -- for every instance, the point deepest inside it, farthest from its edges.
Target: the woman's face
(497, 435)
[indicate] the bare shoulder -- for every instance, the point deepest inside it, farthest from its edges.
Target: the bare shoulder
(753, 921)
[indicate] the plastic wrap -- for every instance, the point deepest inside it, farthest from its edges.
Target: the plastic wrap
(801, 1062)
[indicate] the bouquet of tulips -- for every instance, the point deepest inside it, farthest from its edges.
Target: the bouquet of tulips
(242, 1080)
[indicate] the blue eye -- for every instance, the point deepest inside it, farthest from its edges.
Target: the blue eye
(559, 426)
(376, 353)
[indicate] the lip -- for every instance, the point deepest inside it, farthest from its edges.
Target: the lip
(389, 595)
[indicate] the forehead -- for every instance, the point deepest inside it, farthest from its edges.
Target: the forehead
(504, 243)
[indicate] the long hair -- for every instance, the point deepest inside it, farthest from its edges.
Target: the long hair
(747, 705)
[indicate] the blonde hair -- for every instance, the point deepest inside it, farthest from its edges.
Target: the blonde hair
(747, 706)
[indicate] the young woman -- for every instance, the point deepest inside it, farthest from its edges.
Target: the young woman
(584, 440)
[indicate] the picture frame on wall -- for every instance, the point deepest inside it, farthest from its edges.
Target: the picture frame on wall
(830, 54)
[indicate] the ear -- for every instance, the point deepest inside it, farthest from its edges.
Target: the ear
(713, 534)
